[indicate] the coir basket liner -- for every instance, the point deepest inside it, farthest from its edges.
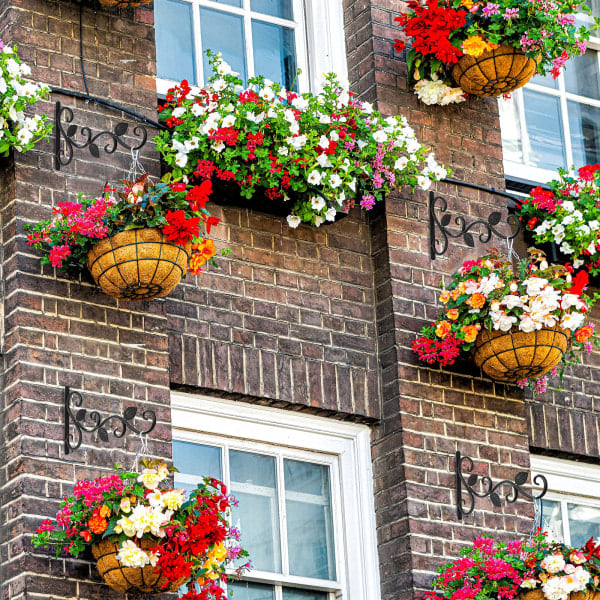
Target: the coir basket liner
(515, 355)
(129, 579)
(139, 264)
(539, 595)
(494, 72)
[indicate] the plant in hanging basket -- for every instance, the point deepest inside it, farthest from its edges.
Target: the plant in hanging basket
(147, 537)
(569, 215)
(533, 570)
(319, 154)
(461, 47)
(138, 244)
(519, 325)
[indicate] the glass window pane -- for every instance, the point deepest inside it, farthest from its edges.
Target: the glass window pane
(224, 33)
(581, 75)
(243, 590)
(274, 53)
(584, 122)
(309, 521)
(544, 139)
(174, 40)
(290, 594)
(552, 520)
(275, 8)
(197, 459)
(545, 80)
(253, 483)
(237, 3)
(584, 523)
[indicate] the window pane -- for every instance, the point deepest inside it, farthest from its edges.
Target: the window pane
(197, 459)
(275, 8)
(237, 3)
(552, 520)
(584, 523)
(250, 591)
(289, 594)
(223, 33)
(584, 122)
(545, 80)
(581, 75)
(274, 53)
(544, 139)
(253, 483)
(174, 40)
(309, 522)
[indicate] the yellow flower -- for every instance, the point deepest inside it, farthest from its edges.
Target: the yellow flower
(468, 4)
(125, 505)
(475, 45)
(452, 314)
(173, 499)
(443, 329)
(219, 552)
(445, 296)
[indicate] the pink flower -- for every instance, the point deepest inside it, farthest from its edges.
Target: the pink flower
(58, 254)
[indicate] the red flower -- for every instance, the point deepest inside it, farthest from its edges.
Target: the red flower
(198, 196)
(181, 230)
(587, 173)
(579, 282)
(179, 187)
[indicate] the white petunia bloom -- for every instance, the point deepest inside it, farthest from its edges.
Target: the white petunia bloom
(568, 206)
(314, 177)
(317, 203)
(330, 214)
(198, 110)
(228, 121)
(181, 160)
(380, 136)
(293, 221)
(179, 112)
(423, 182)
(335, 180)
(401, 163)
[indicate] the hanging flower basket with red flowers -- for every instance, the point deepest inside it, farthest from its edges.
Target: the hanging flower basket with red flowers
(138, 244)
(487, 48)
(147, 537)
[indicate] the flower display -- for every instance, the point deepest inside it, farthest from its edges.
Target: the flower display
(17, 130)
(443, 31)
(506, 571)
(177, 209)
(323, 153)
(194, 541)
(487, 294)
(569, 215)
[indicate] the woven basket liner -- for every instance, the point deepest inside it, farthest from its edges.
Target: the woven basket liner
(139, 264)
(539, 595)
(494, 72)
(123, 3)
(130, 579)
(515, 355)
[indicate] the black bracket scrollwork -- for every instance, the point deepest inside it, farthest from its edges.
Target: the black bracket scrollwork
(439, 245)
(66, 130)
(84, 421)
(489, 489)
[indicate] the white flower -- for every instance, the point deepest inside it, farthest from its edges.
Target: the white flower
(126, 526)
(568, 206)
(324, 142)
(330, 214)
(514, 287)
(218, 147)
(150, 478)
(181, 160)
(283, 150)
(198, 110)
(300, 103)
(566, 249)
(323, 160)
(380, 136)
(317, 203)
(192, 144)
(24, 136)
(554, 589)
(502, 321)
(131, 555)
(534, 285)
(570, 300)
(228, 121)
(219, 85)
(223, 68)
(255, 118)
(173, 499)
(568, 220)
(155, 499)
(545, 226)
(289, 116)
(179, 112)
(594, 225)
(529, 584)
(578, 263)
(401, 163)
(314, 178)
(325, 119)
(367, 108)
(319, 220)
(297, 142)
(266, 94)
(423, 182)
(333, 135)
(527, 324)
(511, 302)
(592, 247)
(293, 221)
(12, 67)
(335, 180)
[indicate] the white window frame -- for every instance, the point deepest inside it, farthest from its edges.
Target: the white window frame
(320, 40)
(536, 174)
(564, 477)
(344, 446)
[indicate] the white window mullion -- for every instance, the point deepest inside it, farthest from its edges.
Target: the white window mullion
(565, 519)
(198, 44)
(564, 114)
(285, 563)
(278, 592)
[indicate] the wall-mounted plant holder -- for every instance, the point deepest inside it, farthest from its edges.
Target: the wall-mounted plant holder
(440, 228)
(489, 489)
(90, 421)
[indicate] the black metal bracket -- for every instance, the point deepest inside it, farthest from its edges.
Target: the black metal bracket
(439, 245)
(489, 488)
(66, 130)
(95, 423)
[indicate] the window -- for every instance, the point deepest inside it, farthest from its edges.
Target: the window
(305, 494)
(571, 507)
(256, 37)
(555, 123)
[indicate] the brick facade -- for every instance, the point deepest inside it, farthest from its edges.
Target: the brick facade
(320, 320)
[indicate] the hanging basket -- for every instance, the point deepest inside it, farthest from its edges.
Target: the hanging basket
(494, 72)
(123, 3)
(130, 579)
(138, 264)
(539, 595)
(514, 355)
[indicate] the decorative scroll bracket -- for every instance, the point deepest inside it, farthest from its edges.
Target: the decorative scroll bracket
(489, 488)
(97, 423)
(439, 246)
(63, 117)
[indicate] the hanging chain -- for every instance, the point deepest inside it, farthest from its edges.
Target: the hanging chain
(142, 451)
(136, 169)
(512, 253)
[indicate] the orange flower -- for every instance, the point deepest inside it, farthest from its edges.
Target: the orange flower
(104, 511)
(86, 535)
(443, 329)
(476, 46)
(470, 332)
(468, 4)
(583, 334)
(207, 249)
(97, 524)
(477, 300)
(455, 293)
(445, 296)
(452, 314)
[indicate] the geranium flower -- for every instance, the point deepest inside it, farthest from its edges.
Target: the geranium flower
(180, 229)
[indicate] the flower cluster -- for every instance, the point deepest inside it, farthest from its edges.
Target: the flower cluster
(486, 293)
(321, 152)
(178, 210)
(442, 31)
(569, 215)
(16, 94)
(490, 569)
(193, 538)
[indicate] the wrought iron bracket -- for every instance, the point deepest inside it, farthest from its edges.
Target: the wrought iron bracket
(82, 421)
(65, 130)
(465, 507)
(439, 244)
